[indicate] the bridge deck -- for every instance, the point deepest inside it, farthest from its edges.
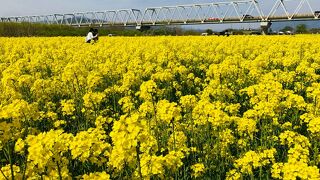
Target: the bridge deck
(299, 17)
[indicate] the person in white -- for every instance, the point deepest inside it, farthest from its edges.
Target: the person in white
(90, 36)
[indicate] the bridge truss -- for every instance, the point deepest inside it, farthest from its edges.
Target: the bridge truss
(236, 11)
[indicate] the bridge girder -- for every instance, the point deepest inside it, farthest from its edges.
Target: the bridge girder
(236, 11)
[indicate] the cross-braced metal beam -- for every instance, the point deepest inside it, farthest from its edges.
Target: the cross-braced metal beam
(283, 4)
(203, 13)
(235, 11)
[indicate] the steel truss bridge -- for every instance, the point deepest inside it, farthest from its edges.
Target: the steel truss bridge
(238, 11)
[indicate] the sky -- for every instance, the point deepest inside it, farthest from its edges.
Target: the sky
(45, 7)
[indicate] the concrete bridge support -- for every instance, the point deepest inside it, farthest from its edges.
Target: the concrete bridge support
(265, 26)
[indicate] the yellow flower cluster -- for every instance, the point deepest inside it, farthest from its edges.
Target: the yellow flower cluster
(252, 160)
(297, 165)
(90, 146)
(239, 107)
(198, 169)
(46, 154)
(97, 176)
(67, 107)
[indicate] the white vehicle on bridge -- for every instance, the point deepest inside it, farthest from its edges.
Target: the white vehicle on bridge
(248, 16)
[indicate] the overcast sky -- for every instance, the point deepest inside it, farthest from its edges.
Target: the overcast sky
(43, 7)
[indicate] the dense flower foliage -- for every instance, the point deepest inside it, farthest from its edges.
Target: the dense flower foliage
(235, 107)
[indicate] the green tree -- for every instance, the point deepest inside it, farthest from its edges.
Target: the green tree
(301, 28)
(287, 28)
(315, 30)
(209, 31)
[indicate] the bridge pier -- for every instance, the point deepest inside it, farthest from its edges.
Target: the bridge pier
(265, 26)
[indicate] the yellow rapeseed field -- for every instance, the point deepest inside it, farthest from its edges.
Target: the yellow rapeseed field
(238, 107)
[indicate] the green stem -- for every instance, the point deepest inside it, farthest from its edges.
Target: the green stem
(174, 135)
(315, 154)
(25, 163)
(3, 174)
(138, 159)
(59, 171)
(10, 154)
(24, 170)
(260, 172)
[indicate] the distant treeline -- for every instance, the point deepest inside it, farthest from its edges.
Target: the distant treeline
(29, 29)
(45, 30)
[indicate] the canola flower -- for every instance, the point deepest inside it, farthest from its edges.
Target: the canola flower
(239, 107)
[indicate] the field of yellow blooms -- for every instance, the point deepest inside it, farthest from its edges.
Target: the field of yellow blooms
(240, 107)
